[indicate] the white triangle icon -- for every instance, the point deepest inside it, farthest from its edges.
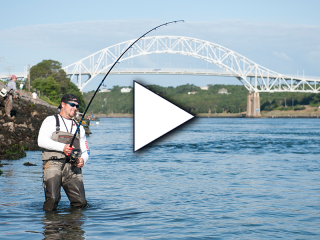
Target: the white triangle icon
(154, 116)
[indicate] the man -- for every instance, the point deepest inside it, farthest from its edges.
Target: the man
(8, 100)
(55, 137)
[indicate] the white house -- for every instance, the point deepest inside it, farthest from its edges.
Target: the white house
(126, 90)
(223, 91)
(105, 90)
(192, 93)
(204, 88)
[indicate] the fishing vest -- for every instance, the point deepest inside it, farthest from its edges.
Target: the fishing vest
(62, 137)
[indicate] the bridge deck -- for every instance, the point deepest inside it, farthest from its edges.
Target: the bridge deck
(187, 72)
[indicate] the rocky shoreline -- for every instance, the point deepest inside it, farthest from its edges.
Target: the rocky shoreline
(20, 132)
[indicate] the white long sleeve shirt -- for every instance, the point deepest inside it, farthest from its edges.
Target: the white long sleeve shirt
(49, 126)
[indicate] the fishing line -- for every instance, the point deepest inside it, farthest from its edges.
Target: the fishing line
(215, 41)
(83, 115)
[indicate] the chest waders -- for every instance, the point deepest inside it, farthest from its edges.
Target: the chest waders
(62, 137)
(59, 171)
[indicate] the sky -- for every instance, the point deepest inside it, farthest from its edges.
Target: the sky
(281, 35)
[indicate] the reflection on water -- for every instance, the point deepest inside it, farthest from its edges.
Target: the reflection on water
(63, 225)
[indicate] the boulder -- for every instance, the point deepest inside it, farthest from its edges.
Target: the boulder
(31, 127)
(34, 113)
(10, 125)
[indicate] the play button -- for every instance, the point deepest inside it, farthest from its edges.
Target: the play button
(154, 116)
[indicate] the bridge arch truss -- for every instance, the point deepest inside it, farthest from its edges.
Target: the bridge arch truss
(253, 76)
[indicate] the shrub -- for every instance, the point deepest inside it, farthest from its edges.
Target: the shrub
(298, 107)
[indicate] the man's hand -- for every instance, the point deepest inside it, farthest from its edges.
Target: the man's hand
(67, 150)
(80, 162)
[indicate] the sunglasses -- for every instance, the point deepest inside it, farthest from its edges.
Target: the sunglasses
(73, 104)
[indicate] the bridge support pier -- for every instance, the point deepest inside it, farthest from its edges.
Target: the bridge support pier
(253, 105)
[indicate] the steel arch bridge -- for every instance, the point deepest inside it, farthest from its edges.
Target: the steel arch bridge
(253, 76)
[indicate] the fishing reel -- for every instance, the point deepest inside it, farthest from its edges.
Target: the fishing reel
(74, 155)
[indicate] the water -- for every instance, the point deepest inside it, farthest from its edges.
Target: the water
(213, 178)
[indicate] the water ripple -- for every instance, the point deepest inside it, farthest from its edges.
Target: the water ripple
(213, 178)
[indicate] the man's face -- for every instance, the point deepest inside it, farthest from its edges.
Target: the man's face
(14, 79)
(68, 110)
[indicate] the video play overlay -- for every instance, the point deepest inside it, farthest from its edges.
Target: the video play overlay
(154, 116)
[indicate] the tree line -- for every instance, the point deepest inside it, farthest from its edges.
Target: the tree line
(203, 101)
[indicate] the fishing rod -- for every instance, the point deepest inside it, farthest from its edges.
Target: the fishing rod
(76, 152)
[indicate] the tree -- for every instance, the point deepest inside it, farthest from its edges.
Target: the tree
(48, 77)
(44, 69)
(48, 87)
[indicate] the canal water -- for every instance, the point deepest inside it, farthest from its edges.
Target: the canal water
(210, 179)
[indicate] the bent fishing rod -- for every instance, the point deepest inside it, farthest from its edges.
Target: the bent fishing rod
(74, 136)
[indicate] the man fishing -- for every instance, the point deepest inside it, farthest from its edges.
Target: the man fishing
(8, 100)
(60, 167)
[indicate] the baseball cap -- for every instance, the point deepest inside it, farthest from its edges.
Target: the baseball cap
(69, 98)
(13, 76)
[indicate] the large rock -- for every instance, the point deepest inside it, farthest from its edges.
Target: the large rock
(22, 125)
(31, 127)
(34, 113)
(10, 125)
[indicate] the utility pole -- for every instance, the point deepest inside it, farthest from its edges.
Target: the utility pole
(239, 110)
(9, 69)
(292, 102)
(29, 78)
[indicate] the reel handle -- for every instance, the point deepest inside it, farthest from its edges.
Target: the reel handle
(74, 155)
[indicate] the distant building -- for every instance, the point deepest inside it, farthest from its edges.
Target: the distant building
(105, 90)
(223, 91)
(192, 93)
(126, 90)
(204, 88)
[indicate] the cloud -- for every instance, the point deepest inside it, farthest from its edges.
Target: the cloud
(282, 55)
(268, 44)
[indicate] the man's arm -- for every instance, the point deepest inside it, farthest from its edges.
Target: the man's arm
(84, 148)
(44, 138)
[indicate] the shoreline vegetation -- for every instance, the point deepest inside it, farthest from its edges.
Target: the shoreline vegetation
(210, 101)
